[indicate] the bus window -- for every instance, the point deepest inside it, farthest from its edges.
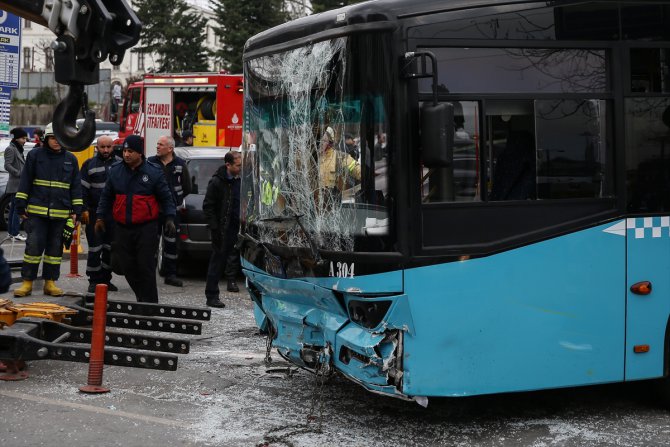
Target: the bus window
(533, 149)
(648, 70)
(572, 160)
(647, 154)
(511, 150)
(466, 176)
(519, 70)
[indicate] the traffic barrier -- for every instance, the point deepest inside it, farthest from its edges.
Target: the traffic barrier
(96, 359)
(74, 253)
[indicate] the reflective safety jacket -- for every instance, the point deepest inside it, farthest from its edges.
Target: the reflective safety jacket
(50, 185)
(177, 176)
(335, 167)
(94, 173)
(133, 196)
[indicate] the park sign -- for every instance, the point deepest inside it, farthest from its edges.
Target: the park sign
(10, 47)
(5, 98)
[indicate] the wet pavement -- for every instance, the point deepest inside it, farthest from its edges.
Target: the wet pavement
(223, 394)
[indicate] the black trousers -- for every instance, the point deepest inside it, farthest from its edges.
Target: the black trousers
(229, 259)
(99, 261)
(135, 249)
(169, 265)
(45, 237)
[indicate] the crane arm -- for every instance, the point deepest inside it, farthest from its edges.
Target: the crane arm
(87, 32)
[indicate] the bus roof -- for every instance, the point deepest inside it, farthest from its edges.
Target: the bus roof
(369, 12)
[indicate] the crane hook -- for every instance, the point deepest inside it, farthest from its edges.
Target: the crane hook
(65, 120)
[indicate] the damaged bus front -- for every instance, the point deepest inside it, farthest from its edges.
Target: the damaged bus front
(319, 236)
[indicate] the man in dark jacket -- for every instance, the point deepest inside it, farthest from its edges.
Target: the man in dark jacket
(14, 161)
(179, 182)
(134, 191)
(49, 194)
(94, 174)
(222, 213)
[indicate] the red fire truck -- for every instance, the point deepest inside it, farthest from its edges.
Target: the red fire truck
(207, 104)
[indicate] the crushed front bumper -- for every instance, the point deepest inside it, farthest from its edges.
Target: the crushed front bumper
(360, 336)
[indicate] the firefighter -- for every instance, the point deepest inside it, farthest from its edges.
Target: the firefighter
(132, 195)
(179, 182)
(49, 194)
(335, 167)
(94, 174)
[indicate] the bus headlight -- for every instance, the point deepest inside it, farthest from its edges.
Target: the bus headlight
(368, 313)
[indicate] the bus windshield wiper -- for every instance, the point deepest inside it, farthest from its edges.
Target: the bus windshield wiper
(295, 216)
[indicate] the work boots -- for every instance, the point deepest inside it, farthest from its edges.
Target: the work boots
(173, 281)
(215, 302)
(232, 286)
(50, 288)
(25, 289)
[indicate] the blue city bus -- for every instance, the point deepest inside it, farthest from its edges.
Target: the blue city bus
(462, 197)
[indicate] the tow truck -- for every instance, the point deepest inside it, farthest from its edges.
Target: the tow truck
(88, 32)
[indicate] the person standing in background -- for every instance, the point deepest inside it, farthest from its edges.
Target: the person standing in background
(179, 182)
(14, 161)
(38, 136)
(222, 213)
(94, 174)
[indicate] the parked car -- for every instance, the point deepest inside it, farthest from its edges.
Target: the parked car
(194, 242)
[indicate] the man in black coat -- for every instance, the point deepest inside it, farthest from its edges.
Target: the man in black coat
(222, 212)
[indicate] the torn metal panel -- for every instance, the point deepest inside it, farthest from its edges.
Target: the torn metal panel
(369, 357)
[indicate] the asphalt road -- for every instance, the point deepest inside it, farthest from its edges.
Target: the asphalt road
(223, 394)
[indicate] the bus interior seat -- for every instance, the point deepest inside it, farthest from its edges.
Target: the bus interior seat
(515, 168)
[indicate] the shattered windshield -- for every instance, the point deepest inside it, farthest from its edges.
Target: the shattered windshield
(316, 150)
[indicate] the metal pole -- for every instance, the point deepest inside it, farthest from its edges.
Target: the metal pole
(97, 353)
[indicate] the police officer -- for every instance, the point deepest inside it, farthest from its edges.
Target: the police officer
(49, 193)
(134, 191)
(94, 174)
(179, 182)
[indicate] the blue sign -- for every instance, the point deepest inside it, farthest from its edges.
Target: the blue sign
(5, 101)
(10, 50)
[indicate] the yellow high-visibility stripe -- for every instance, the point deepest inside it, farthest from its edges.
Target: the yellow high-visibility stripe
(34, 209)
(21, 195)
(51, 183)
(32, 259)
(59, 213)
(51, 260)
(78, 202)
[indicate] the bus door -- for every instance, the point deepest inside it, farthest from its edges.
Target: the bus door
(648, 261)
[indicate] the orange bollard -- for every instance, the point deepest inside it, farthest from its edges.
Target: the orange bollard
(74, 251)
(96, 359)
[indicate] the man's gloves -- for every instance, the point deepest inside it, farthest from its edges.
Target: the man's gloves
(169, 230)
(84, 217)
(99, 226)
(68, 232)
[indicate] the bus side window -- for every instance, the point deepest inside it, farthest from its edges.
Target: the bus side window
(515, 168)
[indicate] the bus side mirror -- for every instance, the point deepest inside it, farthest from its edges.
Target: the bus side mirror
(437, 134)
